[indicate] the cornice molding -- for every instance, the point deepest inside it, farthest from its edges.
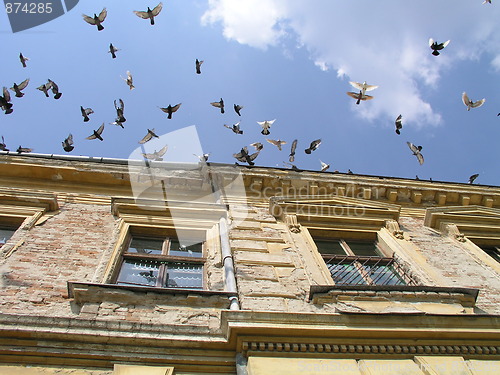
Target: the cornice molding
(335, 213)
(477, 223)
(353, 349)
(27, 200)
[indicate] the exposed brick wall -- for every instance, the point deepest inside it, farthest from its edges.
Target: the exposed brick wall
(66, 247)
(454, 265)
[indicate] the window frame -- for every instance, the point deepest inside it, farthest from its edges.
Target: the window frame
(358, 267)
(7, 228)
(164, 258)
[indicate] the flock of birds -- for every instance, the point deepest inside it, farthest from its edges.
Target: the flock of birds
(244, 155)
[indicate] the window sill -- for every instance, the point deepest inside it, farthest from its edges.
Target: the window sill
(96, 293)
(389, 298)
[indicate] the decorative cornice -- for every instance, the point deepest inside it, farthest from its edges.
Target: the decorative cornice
(345, 349)
(393, 227)
(479, 224)
(334, 213)
(27, 199)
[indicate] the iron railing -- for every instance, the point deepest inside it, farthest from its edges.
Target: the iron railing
(366, 270)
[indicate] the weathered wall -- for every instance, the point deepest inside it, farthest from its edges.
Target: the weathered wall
(66, 247)
(452, 265)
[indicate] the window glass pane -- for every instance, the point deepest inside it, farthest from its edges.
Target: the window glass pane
(145, 246)
(384, 275)
(346, 274)
(362, 248)
(183, 275)
(5, 235)
(195, 250)
(329, 247)
(138, 272)
(492, 251)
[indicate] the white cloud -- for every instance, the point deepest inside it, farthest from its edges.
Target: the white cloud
(251, 22)
(364, 41)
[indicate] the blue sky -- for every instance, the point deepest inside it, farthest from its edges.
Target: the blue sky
(286, 60)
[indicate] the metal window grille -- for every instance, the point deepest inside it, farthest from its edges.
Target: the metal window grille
(366, 270)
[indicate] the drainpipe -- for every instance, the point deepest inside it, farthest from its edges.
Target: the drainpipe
(217, 182)
(228, 263)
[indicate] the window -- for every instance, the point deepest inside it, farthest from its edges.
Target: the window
(492, 251)
(360, 263)
(162, 263)
(5, 234)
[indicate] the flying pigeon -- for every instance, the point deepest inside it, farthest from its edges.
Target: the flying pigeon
(97, 133)
(119, 111)
(244, 157)
(85, 113)
(55, 89)
(293, 167)
(149, 136)
(469, 103)
(156, 155)
(198, 66)
(117, 123)
(359, 96)
(265, 126)
(487, 1)
(235, 128)
(17, 88)
(399, 124)
(364, 87)
(324, 166)
(23, 149)
(238, 108)
(436, 47)
(67, 144)
(171, 109)
(5, 102)
(313, 146)
(45, 88)
(112, 50)
(473, 177)
(219, 104)
(23, 59)
(258, 146)
(203, 158)
(151, 14)
(416, 151)
(96, 20)
(292, 151)
(277, 143)
(3, 146)
(129, 80)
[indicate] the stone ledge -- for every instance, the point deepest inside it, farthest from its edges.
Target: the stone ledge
(84, 293)
(321, 294)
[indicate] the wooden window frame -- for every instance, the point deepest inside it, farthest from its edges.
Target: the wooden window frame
(360, 263)
(165, 259)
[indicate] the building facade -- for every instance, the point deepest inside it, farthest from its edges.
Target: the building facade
(124, 267)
